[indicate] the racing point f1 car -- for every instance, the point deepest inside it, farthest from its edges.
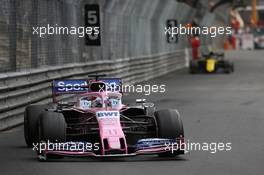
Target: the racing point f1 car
(211, 63)
(98, 118)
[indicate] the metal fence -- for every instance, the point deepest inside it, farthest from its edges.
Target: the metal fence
(20, 50)
(130, 28)
(123, 27)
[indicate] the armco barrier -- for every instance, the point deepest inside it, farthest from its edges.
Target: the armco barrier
(17, 90)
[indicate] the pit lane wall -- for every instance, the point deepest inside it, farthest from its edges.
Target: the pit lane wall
(133, 47)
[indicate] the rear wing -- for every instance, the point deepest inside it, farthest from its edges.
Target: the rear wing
(72, 86)
(77, 86)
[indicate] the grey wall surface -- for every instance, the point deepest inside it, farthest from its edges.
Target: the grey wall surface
(130, 28)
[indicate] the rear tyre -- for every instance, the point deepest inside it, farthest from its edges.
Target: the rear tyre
(193, 67)
(31, 116)
(169, 126)
(232, 67)
(227, 71)
(229, 67)
(52, 128)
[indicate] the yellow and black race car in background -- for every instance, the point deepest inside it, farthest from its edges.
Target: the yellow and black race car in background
(211, 63)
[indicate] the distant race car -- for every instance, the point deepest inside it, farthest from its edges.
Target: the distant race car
(211, 63)
(97, 124)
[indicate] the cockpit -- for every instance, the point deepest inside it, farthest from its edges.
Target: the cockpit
(95, 100)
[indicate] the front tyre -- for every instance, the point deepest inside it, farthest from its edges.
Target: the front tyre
(31, 116)
(169, 126)
(193, 67)
(52, 128)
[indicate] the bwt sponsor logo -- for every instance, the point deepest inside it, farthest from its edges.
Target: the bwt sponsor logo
(102, 114)
(71, 86)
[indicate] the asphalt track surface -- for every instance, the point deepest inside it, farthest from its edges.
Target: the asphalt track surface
(214, 108)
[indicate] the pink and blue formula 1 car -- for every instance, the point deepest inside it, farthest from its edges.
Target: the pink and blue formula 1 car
(97, 124)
